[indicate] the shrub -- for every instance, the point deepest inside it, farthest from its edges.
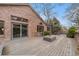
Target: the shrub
(46, 33)
(71, 32)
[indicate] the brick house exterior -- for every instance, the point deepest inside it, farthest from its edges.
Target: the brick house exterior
(15, 17)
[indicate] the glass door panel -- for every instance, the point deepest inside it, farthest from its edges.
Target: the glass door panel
(16, 30)
(24, 30)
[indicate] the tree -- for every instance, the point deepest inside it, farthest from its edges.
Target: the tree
(46, 10)
(71, 32)
(55, 26)
(73, 14)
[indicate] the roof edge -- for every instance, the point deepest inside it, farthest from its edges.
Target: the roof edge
(37, 14)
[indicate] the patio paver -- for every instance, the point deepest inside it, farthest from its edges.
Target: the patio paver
(38, 47)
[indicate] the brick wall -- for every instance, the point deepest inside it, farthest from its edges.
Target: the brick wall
(21, 11)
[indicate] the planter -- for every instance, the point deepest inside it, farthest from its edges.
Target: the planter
(49, 39)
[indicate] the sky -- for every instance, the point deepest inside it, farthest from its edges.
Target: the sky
(61, 10)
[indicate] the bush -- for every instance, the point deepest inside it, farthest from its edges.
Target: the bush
(46, 33)
(71, 32)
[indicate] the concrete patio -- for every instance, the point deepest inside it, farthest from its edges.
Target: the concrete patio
(62, 46)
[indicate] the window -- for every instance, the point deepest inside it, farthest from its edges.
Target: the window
(19, 19)
(40, 28)
(1, 27)
(24, 20)
(13, 18)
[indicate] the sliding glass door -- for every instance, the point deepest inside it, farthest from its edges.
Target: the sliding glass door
(19, 30)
